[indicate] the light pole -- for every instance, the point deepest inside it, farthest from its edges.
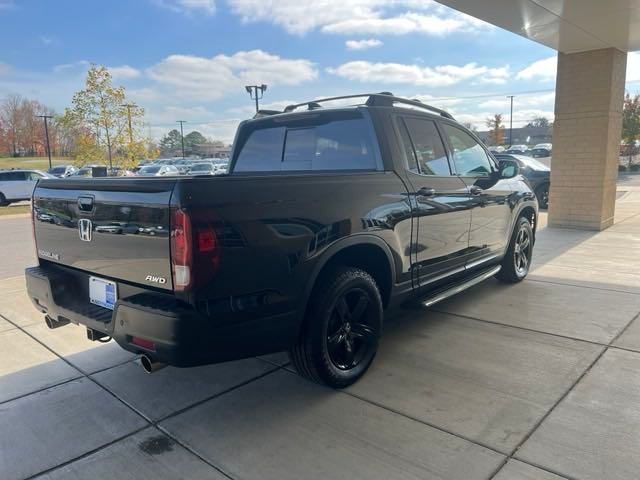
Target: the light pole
(511, 121)
(182, 135)
(252, 90)
(129, 106)
(46, 133)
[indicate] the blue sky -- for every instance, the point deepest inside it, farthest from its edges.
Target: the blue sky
(190, 59)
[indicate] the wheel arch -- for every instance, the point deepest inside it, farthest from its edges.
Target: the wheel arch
(531, 214)
(368, 252)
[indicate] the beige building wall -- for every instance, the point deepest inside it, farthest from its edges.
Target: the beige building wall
(586, 138)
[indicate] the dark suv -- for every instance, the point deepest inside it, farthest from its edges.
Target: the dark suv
(328, 217)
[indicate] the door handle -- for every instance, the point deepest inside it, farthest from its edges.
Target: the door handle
(426, 192)
(475, 190)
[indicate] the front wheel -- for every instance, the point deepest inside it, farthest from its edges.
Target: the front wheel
(339, 338)
(3, 201)
(517, 260)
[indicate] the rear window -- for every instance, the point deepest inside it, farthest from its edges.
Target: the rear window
(311, 143)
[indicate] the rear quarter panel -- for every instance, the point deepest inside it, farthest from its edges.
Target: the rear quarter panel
(274, 229)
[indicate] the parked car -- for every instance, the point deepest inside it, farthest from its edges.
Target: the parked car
(62, 170)
(301, 247)
(542, 150)
(91, 171)
(537, 174)
(201, 168)
(496, 149)
(518, 150)
(17, 185)
(183, 165)
(157, 171)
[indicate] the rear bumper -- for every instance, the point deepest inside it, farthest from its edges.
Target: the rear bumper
(181, 336)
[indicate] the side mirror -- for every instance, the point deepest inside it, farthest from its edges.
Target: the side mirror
(509, 168)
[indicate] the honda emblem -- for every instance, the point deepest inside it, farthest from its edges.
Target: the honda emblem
(85, 229)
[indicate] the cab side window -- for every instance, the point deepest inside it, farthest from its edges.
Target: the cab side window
(469, 157)
(426, 146)
(17, 176)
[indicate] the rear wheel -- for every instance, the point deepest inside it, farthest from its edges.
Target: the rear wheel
(3, 200)
(517, 261)
(542, 193)
(339, 338)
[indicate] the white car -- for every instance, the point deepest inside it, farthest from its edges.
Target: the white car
(157, 171)
(17, 185)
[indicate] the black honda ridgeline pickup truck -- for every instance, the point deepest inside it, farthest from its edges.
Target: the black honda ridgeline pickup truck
(327, 217)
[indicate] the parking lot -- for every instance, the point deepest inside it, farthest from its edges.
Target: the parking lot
(539, 380)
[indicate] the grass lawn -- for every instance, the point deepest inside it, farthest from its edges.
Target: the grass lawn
(37, 163)
(14, 210)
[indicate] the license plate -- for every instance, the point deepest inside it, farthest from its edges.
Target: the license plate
(103, 292)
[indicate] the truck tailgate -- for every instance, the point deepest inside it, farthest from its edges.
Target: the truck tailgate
(118, 228)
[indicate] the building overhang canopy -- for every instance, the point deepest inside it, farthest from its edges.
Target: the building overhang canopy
(567, 26)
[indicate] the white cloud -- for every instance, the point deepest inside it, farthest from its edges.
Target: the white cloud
(520, 101)
(5, 69)
(398, 25)
(190, 76)
(395, 17)
(208, 7)
(544, 70)
(362, 44)
(439, 76)
(124, 72)
(79, 65)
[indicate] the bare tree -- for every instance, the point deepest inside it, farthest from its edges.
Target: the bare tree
(11, 115)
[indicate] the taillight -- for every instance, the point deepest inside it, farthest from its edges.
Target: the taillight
(195, 252)
(181, 254)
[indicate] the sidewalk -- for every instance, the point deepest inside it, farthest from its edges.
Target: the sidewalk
(539, 380)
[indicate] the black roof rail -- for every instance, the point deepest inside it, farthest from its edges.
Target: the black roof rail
(382, 99)
(265, 113)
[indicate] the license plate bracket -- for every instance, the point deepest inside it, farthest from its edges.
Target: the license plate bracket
(103, 293)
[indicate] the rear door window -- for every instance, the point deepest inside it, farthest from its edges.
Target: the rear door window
(324, 142)
(428, 150)
(17, 176)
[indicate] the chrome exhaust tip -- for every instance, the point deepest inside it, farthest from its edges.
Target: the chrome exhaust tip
(149, 365)
(55, 323)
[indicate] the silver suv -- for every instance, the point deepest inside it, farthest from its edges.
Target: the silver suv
(16, 185)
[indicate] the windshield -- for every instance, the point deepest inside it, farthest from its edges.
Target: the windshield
(55, 170)
(148, 170)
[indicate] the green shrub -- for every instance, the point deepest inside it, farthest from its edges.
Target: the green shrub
(622, 168)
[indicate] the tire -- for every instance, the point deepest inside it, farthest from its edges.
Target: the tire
(3, 201)
(340, 334)
(542, 194)
(517, 260)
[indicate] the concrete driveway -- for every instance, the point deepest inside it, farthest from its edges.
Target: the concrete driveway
(539, 380)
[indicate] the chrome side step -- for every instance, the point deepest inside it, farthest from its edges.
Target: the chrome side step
(450, 292)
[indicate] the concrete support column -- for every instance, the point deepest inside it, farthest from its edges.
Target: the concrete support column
(586, 138)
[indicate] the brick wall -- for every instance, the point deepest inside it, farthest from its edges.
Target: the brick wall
(586, 138)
